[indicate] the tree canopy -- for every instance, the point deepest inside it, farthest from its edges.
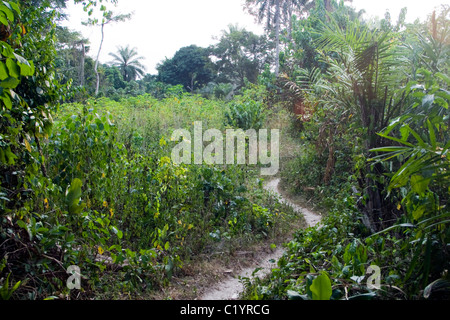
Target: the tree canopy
(129, 63)
(190, 67)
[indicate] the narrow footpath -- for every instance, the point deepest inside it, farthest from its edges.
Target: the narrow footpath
(232, 287)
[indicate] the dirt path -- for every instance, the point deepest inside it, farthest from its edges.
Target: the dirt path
(231, 288)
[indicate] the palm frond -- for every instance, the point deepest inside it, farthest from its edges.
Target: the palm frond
(129, 63)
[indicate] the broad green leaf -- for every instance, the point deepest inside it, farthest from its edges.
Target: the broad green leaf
(3, 19)
(405, 133)
(321, 288)
(25, 70)
(419, 184)
(22, 224)
(419, 212)
(8, 12)
(2, 156)
(3, 71)
(73, 196)
(9, 83)
(14, 7)
(7, 101)
(11, 157)
(13, 68)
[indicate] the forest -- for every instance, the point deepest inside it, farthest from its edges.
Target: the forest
(93, 206)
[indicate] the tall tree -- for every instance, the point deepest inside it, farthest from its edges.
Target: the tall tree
(291, 7)
(274, 13)
(239, 55)
(108, 17)
(128, 61)
(190, 66)
(71, 48)
(270, 11)
(367, 64)
(330, 5)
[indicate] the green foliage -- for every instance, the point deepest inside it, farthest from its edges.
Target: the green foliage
(5, 291)
(29, 93)
(321, 288)
(241, 56)
(248, 115)
(247, 111)
(96, 188)
(128, 62)
(189, 67)
(368, 97)
(423, 174)
(116, 206)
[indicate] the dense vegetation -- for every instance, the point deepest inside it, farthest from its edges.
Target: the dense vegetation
(87, 178)
(375, 158)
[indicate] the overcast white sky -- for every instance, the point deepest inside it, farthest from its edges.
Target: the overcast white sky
(159, 28)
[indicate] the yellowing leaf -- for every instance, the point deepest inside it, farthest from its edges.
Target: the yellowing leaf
(100, 250)
(399, 206)
(27, 145)
(419, 212)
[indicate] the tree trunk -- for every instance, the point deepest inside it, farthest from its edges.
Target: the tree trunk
(97, 86)
(290, 24)
(277, 35)
(83, 59)
(329, 170)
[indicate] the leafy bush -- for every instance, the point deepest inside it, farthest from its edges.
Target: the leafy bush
(248, 115)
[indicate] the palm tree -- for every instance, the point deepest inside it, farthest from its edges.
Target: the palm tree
(369, 69)
(265, 12)
(108, 18)
(128, 61)
(275, 12)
